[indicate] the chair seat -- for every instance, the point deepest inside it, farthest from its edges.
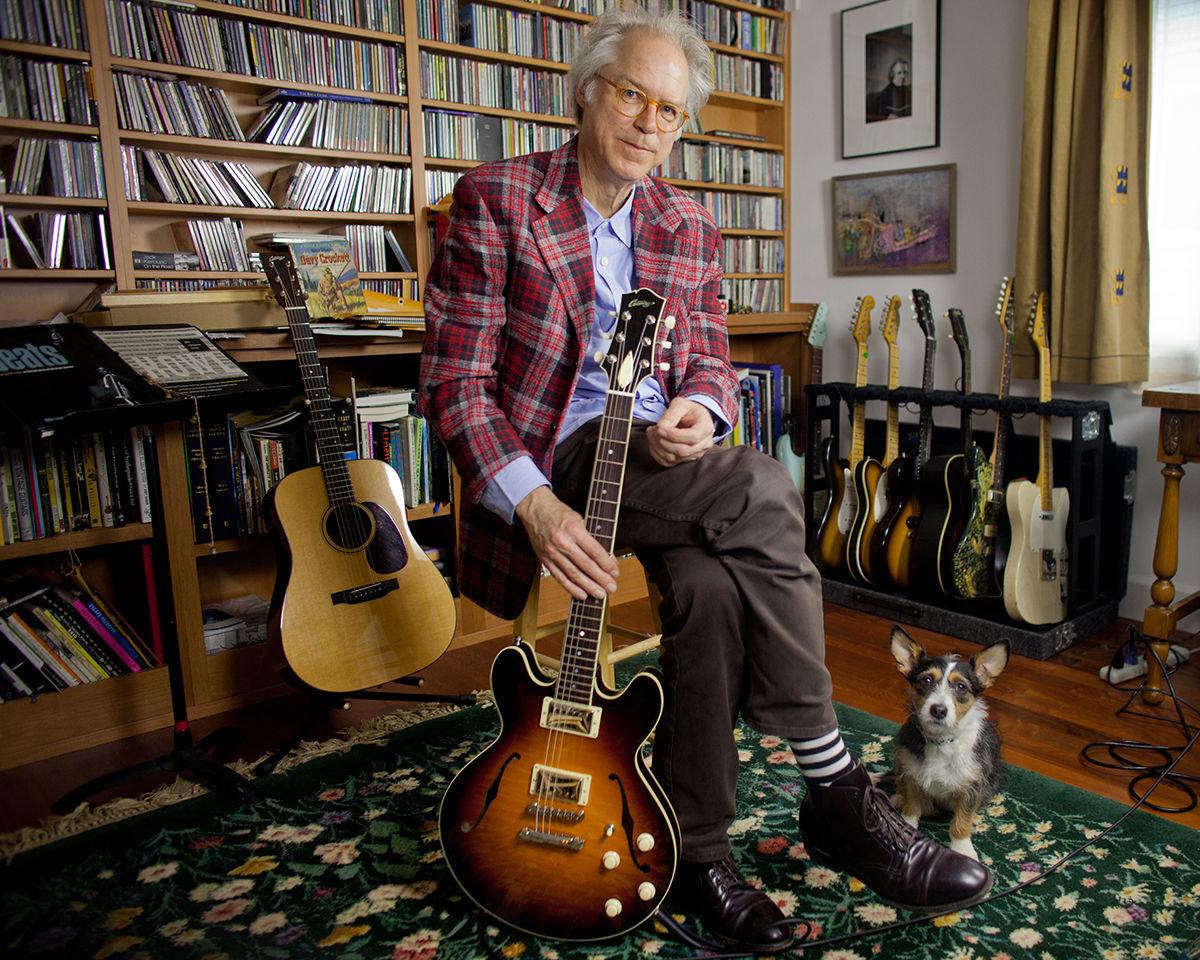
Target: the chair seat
(526, 628)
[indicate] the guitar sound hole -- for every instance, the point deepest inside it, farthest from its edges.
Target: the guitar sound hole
(349, 526)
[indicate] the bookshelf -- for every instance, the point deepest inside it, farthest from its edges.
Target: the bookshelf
(739, 122)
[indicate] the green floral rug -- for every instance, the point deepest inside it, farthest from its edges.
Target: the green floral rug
(342, 860)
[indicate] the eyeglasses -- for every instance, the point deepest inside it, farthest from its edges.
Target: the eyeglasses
(633, 103)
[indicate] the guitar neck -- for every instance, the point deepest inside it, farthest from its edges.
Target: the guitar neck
(330, 452)
(585, 618)
(967, 426)
(925, 428)
(892, 450)
(858, 436)
(1046, 449)
(1000, 434)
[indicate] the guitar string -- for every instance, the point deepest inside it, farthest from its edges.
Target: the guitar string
(617, 416)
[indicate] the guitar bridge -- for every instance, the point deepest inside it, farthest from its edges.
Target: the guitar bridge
(370, 591)
(564, 841)
(551, 783)
(543, 812)
(566, 717)
(1048, 565)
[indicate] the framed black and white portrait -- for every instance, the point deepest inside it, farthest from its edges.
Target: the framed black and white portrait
(889, 77)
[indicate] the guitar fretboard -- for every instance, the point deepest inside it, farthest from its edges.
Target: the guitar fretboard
(585, 619)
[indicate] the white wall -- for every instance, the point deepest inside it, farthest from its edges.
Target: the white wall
(982, 67)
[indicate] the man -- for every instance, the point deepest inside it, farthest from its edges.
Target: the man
(539, 251)
(894, 100)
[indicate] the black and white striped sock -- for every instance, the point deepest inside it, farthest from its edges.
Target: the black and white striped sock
(823, 758)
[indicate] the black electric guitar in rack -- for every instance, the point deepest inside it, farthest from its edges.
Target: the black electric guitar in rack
(870, 476)
(558, 828)
(975, 574)
(834, 531)
(357, 602)
(945, 491)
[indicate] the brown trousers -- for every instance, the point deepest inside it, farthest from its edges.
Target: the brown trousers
(743, 630)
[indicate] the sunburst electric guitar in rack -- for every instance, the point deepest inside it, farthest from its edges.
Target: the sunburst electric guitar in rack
(1035, 576)
(870, 477)
(558, 828)
(357, 602)
(833, 534)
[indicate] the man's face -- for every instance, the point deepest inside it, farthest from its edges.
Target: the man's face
(900, 73)
(624, 149)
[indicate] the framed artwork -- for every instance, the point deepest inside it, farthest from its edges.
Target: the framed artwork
(896, 221)
(890, 77)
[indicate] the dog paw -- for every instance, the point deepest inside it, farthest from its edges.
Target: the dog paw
(965, 847)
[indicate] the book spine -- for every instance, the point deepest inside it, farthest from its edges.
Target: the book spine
(98, 629)
(35, 651)
(20, 478)
(93, 667)
(139, 439)
(58, 646)
(91, 484)
(156, 634)
(60, 604)
(118, 629)
(103, 481)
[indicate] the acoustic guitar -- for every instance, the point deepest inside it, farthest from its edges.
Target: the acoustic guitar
(558, 828)
(973, 561)
(945, 490)
(356, 601)
(891, 543)
(833, 533)
(1035, 576)
(870, 484)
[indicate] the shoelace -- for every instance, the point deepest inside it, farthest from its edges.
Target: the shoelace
(879, 812)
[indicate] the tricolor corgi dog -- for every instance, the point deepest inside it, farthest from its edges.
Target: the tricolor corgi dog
(947, 756)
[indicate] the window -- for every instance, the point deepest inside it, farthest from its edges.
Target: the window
(1174, 195)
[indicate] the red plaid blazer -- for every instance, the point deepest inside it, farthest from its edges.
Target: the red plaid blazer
(509, 307)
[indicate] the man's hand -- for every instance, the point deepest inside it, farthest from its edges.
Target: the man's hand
(685, 432)
(560, 539)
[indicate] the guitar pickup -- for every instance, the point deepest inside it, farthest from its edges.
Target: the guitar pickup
(566, 717)
(551, 783)
(370, 591)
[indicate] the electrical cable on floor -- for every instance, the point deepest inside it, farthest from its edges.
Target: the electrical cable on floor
(1149, 758)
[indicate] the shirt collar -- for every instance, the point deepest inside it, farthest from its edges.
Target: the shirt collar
(621, 221)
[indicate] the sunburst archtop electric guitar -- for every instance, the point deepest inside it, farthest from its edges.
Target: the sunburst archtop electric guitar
(558, 828)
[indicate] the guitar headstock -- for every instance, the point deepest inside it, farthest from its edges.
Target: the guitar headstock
(284, 280)
(860, 326)
(958, 331)
(924, 313)
(891, 320)
(1039, 323)
(632, 354)
(819, 327)
(1004, 310)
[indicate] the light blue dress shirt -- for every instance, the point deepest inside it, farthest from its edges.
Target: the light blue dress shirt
(612, 264)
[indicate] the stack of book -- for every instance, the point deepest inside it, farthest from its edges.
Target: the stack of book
(161, 103)
(330, 122)
(362, 188)
(75, 168)
(56, 239)
(79, 481)
(220, 244)
(52, 23)
(157, 175)
(45, 90)
(53, 637)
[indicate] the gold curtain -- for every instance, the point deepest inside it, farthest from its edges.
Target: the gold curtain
(1081, 224)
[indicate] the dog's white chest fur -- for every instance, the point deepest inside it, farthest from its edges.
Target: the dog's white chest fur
(950, 764)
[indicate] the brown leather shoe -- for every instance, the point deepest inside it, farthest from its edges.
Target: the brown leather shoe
(851, 826)
(732, 910)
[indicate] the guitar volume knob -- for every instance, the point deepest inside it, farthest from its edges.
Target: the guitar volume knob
(612, 907)
(644, 842)
(611, 860)
(646, 890)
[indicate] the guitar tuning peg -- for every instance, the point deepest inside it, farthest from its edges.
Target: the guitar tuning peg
(598, 356)
(666, 345)
(612, 313)
(669, 323)
(664, 366)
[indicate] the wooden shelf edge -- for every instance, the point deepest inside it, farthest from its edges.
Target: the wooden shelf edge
(77, 540)
(252, 148)
(36, 201)
(184, 210)
(22, 125)
(311, 24)
(57, 274)
(42, 50)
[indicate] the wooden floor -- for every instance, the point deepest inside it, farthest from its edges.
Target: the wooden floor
(1047, 711)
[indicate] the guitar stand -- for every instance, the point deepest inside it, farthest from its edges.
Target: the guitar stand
(1150, 759)
(322, 702)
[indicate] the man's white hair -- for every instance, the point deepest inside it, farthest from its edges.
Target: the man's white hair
(604, 36)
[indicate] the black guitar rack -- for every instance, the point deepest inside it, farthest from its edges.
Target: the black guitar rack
(1097, 551)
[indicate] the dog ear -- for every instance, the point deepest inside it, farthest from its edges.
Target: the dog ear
(906, 651)
(990, 662)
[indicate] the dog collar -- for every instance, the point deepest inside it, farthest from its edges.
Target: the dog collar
(940, 741)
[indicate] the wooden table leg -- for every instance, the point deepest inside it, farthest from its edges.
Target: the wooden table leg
(1158, 622)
